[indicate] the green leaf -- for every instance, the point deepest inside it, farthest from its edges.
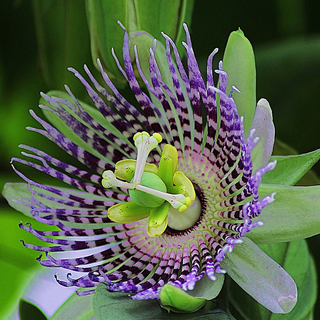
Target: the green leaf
(290, 169)
(292, 216)
(63, 40)
(29, 311)
(119, 306)
(107, 305)
(279, 63)
(303, 273)
(239, 63)
(283, 149)
(140, 15)
(75, 308)
(163, 16)
(17, 263)
(105, 33)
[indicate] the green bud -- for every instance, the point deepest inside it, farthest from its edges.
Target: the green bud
(141, 198)
(239, 63)
(176, 300)
(151, 17)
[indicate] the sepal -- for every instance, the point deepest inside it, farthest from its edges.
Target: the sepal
(239, 63)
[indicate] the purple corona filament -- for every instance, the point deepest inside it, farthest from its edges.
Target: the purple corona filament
(212, 153)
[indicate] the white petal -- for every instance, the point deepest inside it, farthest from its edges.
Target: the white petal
(263, 124)
(261, 277)
(44, 292)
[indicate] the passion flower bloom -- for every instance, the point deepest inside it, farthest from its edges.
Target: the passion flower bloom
(169, 188)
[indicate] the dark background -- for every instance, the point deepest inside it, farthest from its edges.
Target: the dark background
(286, 39)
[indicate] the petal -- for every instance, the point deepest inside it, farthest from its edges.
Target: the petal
(206, 288)
(239, 63)
(293, 215)
(45, 293)
(261, 277)
(263, 124)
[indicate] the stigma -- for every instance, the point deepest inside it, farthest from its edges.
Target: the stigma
(154, 190)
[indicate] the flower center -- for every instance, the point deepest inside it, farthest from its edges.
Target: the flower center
(155, 192)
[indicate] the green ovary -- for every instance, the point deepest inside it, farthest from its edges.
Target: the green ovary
(141, 198)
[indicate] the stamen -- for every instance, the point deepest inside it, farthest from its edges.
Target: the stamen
(144, 144)
(149, 187)
(177, 201)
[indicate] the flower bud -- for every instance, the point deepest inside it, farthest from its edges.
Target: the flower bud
(176, 300)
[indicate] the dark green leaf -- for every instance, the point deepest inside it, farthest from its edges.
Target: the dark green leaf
(119, 306)
(29, 311)
(63, 40)
(280, 65)
(140, 15)
(283, 149)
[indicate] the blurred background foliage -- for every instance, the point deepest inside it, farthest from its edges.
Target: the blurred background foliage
(285, 35)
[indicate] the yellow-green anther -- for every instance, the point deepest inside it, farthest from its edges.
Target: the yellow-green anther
(158, 215)
(180, 179)
(156, 231)
(127, 212)
(144, 144)
(165, 171)
(177, 189)
(158, 220)
(125, 169)
(170, 151)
